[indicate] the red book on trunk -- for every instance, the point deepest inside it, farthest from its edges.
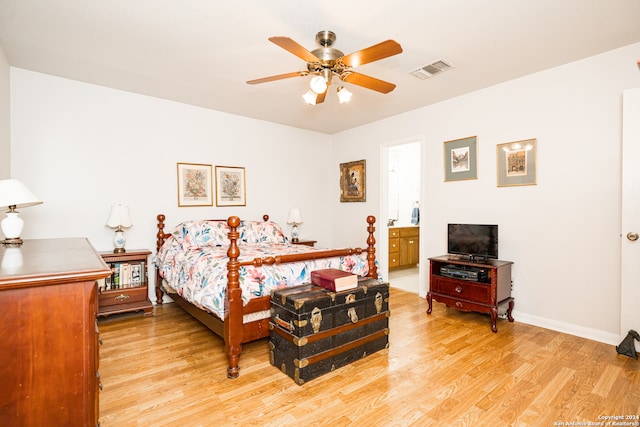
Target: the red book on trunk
(334, 280)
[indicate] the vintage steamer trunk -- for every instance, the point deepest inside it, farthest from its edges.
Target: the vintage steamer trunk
(314, 331)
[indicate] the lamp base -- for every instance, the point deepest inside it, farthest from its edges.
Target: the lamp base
(16, 241)
(119, 251)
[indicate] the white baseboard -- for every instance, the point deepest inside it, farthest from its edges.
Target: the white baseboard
(568, 328)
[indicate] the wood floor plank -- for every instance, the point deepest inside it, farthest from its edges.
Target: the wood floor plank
(443, 369)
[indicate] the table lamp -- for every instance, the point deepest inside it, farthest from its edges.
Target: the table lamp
(14, 195)
(119, 219)
(294, 220)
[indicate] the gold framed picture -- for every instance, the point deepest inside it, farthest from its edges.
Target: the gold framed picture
(230, 186)
(353, 181)
(194, 185)
(516, 163)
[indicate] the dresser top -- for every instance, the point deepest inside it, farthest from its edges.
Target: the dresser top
(40, 262)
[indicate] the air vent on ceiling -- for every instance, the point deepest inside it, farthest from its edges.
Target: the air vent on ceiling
(432, 69)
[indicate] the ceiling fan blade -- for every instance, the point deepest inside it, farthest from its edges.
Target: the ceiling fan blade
(278, 77)
(373, 53)
(298, 50)
(367, 82)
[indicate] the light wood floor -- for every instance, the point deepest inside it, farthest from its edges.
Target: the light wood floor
(443, 369)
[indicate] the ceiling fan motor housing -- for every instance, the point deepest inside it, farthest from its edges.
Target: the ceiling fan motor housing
(327, 55)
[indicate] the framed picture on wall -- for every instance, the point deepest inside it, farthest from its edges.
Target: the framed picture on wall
(460, 159)
(516, 163)
(353, 181)
(194, 185)
(230, 186)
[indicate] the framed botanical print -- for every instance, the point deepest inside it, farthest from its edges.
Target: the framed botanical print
(516, 163)
(230, 186)
(460, 159)
(353, 182)
(194, 185)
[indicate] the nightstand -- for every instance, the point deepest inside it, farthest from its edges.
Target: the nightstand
(127, 287)
(305, 242)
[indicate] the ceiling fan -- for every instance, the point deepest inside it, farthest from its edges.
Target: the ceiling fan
(325, 62)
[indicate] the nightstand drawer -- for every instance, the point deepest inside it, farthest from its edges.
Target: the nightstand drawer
(123, 296)
(470, 291)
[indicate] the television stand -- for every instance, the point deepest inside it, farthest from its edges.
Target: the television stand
(483, 294)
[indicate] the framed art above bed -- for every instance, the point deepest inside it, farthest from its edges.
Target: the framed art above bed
(194, 185)
(353, 181)
(230, 186)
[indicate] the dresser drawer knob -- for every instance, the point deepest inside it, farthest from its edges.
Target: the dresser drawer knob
(458, 289)
(458, 304)
(121, 297)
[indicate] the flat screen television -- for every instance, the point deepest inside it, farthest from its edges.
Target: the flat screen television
(475, 241)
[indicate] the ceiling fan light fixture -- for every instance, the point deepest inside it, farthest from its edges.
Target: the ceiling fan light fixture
(318, 84)
(310, 97)
(344, 95)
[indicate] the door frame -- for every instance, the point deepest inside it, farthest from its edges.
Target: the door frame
(630, 250)
(383, 254)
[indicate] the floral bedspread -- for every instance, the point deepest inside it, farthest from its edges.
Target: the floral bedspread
(193, 261)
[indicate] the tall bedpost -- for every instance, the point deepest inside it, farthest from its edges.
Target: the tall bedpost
(233, 312)
(160, 236)
(371, 247)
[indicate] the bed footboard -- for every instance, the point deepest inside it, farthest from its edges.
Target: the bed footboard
(233, 321)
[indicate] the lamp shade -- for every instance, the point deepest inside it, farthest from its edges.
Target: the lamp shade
(318, 84)
(310, 97)
(14, 193)
(344, 95)
(294, 216)
(119, 217)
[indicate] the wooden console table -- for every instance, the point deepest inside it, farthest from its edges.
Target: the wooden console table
(484, 296)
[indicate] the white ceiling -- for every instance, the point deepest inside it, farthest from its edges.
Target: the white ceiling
(202, 52)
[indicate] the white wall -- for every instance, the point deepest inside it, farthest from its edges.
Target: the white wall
(82, 148)
(5, 118)
(563, 233)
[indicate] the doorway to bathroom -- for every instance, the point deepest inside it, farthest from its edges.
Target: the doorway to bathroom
(403, 209)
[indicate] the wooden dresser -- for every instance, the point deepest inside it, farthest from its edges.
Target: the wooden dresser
(48, 333)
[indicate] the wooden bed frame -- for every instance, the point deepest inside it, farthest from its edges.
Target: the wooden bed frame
(232, 329)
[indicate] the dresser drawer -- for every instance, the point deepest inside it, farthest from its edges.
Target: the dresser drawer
(461, 305)
(123, 296)
(470, 291)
